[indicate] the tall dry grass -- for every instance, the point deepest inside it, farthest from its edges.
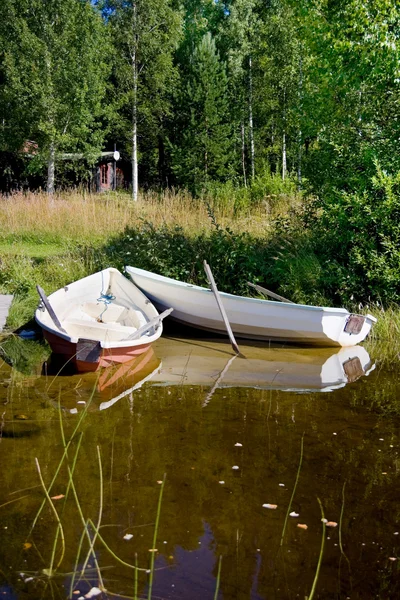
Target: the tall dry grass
(79, 216)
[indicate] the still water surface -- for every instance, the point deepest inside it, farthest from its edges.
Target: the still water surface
(298, 425)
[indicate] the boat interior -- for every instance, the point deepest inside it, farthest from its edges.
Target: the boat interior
(103, 322)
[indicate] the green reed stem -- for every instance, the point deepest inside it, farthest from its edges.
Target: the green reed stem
(71, 485)
(136, 577)
(340, 522)
(56, 516)
(71, 586)
(91, 548)
(65, 453)
(218, 578)
(294, 489)
(72, 469)
(107, 547)
(91, 541)
(321, 552)
(155, 539)
(53, 552)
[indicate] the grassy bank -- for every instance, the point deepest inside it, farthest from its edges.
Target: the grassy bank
(55, 242)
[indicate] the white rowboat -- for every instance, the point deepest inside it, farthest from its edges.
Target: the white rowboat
(253, 318)
(99, 320)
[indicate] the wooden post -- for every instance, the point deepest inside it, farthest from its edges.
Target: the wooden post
(221, 307)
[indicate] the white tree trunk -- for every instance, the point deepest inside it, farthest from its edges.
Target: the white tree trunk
(135, 183)
(299, 159)
(244, 157)
(299, 136)
(251, 130)
(284, 156)
(51, 169)
(284, 167)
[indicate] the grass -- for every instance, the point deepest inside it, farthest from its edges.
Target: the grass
(31, 221)
(52, 243)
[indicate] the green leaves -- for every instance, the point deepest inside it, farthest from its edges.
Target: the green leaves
(202, 151)
(54, 66)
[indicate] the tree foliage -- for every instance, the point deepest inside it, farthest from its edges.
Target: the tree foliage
(53, 76)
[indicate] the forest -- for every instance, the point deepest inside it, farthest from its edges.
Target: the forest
(237, 100)
(198, 93)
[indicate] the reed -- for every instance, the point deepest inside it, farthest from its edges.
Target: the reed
(60, 530)
(384, 338)
(63, 458)
(341, 521)
(152, 560)
(321, 552)
(90, 529)
(218, 579)
(294, 489)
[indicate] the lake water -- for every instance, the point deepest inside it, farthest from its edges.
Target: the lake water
(188, 462)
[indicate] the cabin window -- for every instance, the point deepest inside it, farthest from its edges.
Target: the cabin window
(104, 174)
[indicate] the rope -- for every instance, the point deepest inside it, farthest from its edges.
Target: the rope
(107, 299)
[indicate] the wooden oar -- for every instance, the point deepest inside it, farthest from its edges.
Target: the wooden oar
(150, 324)
(49, 308)
(269, 293)
(221, 308)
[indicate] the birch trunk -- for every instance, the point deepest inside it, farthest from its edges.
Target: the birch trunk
(244, 157)
(135, 184)
(134, 149)
(299, 135)
(299, 159)
(251, 130)
(51, 169)
(284, 137)
(284, 155)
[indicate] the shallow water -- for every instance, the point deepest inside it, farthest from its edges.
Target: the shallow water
(301, 425)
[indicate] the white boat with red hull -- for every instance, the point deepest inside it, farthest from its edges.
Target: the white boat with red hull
(99, 320)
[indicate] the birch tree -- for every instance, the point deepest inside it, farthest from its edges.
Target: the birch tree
(54, 77)
(240, 36)
(145, 34)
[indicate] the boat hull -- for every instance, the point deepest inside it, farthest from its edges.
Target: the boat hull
(93, 322)
(107, 357)
(252, 318)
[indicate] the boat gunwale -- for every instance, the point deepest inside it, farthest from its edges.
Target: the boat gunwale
(290, 306)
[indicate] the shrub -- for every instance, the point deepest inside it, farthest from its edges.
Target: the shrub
(357, 237)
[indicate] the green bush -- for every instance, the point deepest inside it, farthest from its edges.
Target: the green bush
(357, 239)
(233, 258)
(227, 196)
(272, 189)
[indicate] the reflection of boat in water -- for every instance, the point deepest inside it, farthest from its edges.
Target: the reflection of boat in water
(105, 389)
(298, 369)
(127, 378)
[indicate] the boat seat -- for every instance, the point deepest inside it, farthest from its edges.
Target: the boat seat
(82, 328)
(90, 312)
